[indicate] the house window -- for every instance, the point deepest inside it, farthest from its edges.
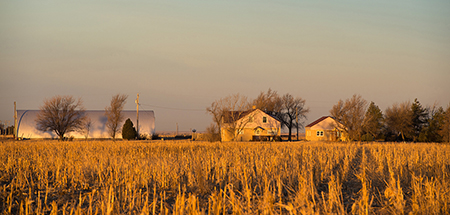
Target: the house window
(264, 119)
(257, 132)
(319, 133)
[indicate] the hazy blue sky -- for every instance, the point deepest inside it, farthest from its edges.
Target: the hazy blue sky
(182, 55)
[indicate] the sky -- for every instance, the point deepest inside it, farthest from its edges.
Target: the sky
(180, 56)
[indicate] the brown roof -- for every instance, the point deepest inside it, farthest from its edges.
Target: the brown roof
(317, 121)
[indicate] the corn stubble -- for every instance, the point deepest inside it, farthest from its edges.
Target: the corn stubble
(103, 177)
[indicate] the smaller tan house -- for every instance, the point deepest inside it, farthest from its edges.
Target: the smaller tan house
(325, 128)
(251, 125)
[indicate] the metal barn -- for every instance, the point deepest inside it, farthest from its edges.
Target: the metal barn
(26, 125)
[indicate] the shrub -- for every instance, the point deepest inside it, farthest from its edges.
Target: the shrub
(367, 137)
(128, 130)
(156, 136)
(277, 138)
(212, 133)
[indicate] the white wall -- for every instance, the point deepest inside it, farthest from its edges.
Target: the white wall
(26, 120)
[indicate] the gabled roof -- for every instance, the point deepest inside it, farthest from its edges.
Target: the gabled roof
(231, 116)
(318, 121)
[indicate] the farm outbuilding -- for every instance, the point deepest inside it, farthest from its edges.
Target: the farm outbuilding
(325, 128)
(26, 125)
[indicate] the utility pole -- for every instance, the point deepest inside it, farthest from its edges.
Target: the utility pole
(15, 121)
(137, 116)
(296, 118)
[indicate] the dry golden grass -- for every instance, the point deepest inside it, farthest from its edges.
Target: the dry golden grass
(104, 177)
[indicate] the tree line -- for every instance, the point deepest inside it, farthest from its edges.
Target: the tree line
(359, 119)
(403, 121)
(65, 114)
(5, 129)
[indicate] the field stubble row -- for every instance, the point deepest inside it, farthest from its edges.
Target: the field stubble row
(129, 177)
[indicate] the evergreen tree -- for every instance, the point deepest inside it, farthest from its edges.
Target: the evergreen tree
(373, 120)
(419, 118)
(445, 131)
(432, 131)
(128, 130)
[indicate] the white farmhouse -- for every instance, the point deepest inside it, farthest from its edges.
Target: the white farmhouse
(249, 125)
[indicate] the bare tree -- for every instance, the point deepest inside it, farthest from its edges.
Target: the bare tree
(269, 102)
(217, 111)
(399, 119)
(234, 122)
(293, 112)
(87, 128)
(212, 133)
(114, 114)
(351, 116)
(226, 113)
(61, 114)
(2, 128)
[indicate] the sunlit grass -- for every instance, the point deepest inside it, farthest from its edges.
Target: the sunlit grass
(105, 177)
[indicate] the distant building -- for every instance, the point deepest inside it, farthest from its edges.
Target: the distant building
(325, 128)
(26, 125)
(249, 125)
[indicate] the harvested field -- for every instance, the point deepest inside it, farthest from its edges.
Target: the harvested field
(157, 177)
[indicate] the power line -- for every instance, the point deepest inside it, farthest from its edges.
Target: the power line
(172, 108)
